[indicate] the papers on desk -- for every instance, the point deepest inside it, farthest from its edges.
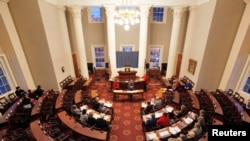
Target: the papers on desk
(188, 120)
(84, 107)
(164, 133)
(151, 135)
(174, 130)
(143, 104)
(106, 117)
(89, 111)
(96, 116)
(183, 124)
(158, 114)
(169, 109)
(108, 104)
(192, 115)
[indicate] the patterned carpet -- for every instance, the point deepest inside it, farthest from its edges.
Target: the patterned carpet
(127, 123)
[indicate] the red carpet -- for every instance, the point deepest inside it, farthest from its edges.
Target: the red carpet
(127, 123)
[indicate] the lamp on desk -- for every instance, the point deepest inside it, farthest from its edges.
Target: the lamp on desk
(127, 67)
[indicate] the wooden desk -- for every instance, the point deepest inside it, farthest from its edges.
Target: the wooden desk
(86, 84)
(127, 92)
(59, 99)
(36, 108)
(216, 104)
(85, 131)
(195, 101)
(176, 98)
(172, 129)
(127, 75)
(5, 116)
(38, 132)
(138, 83)
(78, 97)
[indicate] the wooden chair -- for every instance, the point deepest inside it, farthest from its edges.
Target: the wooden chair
(241, 100)
(236, 96)
(12, 97)
(230, 92)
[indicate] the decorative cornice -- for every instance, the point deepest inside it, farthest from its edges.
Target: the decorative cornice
(247, 1)
(178, 11)
(5, 1)
(76, 11)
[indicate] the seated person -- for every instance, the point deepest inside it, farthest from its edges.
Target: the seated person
(19, 92)
(157, 103)
(27, 102)
(83, 116)
(91, 120)
(149, 108)
(151, 122)
(31, 94)
(175, 85)
(39, 91)
(116, 84)
(163, 121)
(75, 111)
(101, 123)
(95, 103)
(190, 136)
(197, 129)
(188, 85)
(182, 112)
(102, 108)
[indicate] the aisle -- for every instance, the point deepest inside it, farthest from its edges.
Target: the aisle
(127, 123)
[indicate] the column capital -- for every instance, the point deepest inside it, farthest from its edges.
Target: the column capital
(144, 10)
(76, 11)
(178, 11)
(4, 1)
(61, 7)
(193, 8)
(110, 9)
(247, 1)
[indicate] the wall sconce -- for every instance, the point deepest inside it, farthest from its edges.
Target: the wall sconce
(62, 68)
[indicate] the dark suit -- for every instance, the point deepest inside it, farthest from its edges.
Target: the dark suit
(102, 124)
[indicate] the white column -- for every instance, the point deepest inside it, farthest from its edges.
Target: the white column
(66, 42)
(110, 9)
(237, 44)
(144, 12)
(76, 13)
(172, 57)
(24, 76)
(189, 36)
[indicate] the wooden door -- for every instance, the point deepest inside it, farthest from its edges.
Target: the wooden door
(75, 62)
(178, 65)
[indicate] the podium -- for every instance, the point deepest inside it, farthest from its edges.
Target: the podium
(127, 75)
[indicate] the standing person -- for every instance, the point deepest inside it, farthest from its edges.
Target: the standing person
(19, 92)
(248, 104)
(175, 84)
(131, 86)
(145, 78)
(116, 84)
(188, 85)
(39, 91)
(27, 104)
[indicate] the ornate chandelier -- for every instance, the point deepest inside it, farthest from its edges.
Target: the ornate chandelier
(127, 15)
